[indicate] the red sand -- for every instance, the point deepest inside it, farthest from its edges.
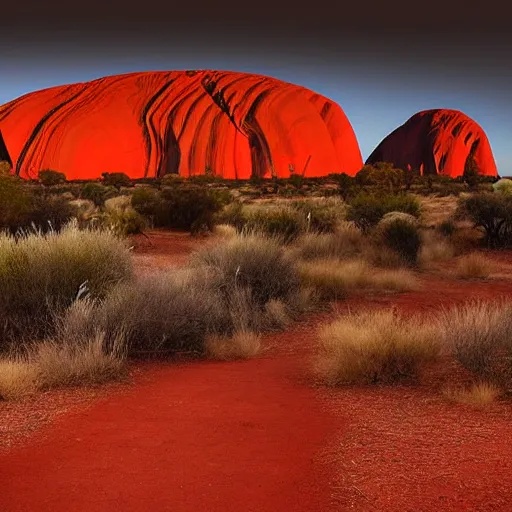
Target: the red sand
(256, 436)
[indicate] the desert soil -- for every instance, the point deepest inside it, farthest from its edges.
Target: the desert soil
(259, 435)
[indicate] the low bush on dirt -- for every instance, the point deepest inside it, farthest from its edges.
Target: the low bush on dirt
(375, 347)
(286, 222)
(335, 279)
(479, 394)
(402, 237)
(322, 216)
(254, 262)
(116, 179)
(346, 242)
(190, 208)
(242, 345)
(490, 212)
(366, 210)
(50, 178)
(41, 274)
(474, 266)
(97, 193)
(479, 334)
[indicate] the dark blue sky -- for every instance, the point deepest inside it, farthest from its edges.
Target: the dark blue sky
(381, 67)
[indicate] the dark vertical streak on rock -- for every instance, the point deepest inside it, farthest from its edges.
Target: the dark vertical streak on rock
(148, 124)
(4, 153)
(38, 128)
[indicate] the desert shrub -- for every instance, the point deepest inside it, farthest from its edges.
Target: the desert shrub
(41, 274)
(252, 262)
(51, 212)
(375, 347)
(120, 216)
(492, 213)
(479, 334)
(116, 180)
(347, 185)
(242, 345)
(474, 266)
(50, 178)
(15, 203)
(334, 279)
(18, 377)
(283, 221)
(322, 217)
(346, 242)
(447, 228)
(403, 237)
(171, 180)
(434, 248)
(367, 210)
(190, 208)
(478, 394)
(391, 217)
(233, 214)
(97, 193)
(382, 175)
(503, 186)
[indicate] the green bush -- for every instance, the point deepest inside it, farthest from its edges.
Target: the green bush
(402, 237)
(97, 193)
(116, 180)
(286, 222)
(51, 212)
(15, 203)
(41, 275)
(50, 178)
(366, 210)
(234, 215)
(491, 212)
(503, 186)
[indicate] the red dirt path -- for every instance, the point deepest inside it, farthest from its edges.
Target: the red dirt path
(256, 436)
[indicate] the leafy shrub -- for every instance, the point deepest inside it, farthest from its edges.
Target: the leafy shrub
(403, 237)
(41, 274)
(492, 213)
(50, 178)
(367, 210)
(285, 222)
(323, 216)
(382, 175)
(116, 180)
(97, 193)
(503, 186)
(447, 228)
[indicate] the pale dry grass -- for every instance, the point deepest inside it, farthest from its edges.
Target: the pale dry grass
(225, 230)
(242, 345)
(80, 364)
(346, 242)
(18, 378)
(434, 249)
(480, 394)
(474, 266)
(436, 210)
(338, 279)
(479, 335)
(374, 346)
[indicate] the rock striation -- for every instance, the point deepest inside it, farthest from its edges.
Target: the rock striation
(437, 141)
(228, 124)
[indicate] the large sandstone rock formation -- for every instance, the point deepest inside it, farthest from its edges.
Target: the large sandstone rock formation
(188, 122)
(5, 159)
(437, 142)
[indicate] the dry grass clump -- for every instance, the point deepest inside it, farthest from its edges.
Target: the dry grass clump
(435, 248)
(242, 345)
(479, 335)
(338, 279)
(373, 347)
(225, 230)
(18, 378)
(479, 394)
(474, 266)
(62, 363)
(65, 364)
(346, 242)
(41, 275)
